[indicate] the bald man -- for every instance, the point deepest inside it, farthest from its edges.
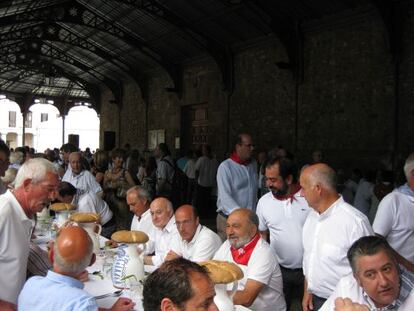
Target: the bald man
(162, 215)
(193, 241)
(329, 231)
(60, 289)
(80, 178)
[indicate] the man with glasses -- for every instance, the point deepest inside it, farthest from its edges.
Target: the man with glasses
(193, 241)
(36, 186)
(4, 163)
(236, 182)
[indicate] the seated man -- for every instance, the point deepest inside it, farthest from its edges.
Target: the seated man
(261, 288)
(162, 215)
(88, 202)
(377, 281)
(60, 289)
(193, 241)
(179, 284)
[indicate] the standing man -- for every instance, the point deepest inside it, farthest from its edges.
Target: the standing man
(80, 178)
(179, 284)
(261, 288)
(35, 187)
(165, 170)
(395, 215)
(4, 163)
(236, 182)
(162, 215)
(282, 214)
(330, 229)
(193, 241)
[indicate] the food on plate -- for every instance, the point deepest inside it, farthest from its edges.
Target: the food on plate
(85, 217)
(222, 272)
(61, 207)
(125, 236)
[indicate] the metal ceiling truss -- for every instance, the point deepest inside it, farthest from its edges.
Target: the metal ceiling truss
(220, 53)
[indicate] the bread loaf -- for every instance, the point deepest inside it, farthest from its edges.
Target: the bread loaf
(60, 207)
(125, 236)
(222, 272)
(85, 217)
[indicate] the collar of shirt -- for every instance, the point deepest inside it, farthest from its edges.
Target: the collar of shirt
(405, 189)
(331, 209)
(237, 159)
(170, 225)
(195, 237)
(406, 285)
(295, 190)
(77, 175)
(59, 278)
(143, 215)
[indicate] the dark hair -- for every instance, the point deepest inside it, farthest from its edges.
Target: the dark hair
(368, 246)
(286, 167)
(118, 153)
(66, 188)
(239, 140)
(171, 280)
(68, 147)
(163, 147)
(4, 148)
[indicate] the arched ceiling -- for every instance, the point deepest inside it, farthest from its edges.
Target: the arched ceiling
(69, 49)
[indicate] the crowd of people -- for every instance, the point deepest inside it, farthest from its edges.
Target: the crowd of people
(304, 233)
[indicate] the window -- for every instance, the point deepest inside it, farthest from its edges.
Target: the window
(44, 117)
(12, 118)
(28, 123)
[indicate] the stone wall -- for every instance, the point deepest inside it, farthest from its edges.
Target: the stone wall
(345, 105)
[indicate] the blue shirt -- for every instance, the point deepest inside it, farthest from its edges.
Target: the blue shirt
(55, 292)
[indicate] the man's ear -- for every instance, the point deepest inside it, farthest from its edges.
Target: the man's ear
(26, 183)
(167, 305)
(93, 259)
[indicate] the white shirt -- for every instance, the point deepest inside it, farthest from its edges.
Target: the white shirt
(190, 168)
(162, 241)
(207, 171)
(326, 240)
(84, 181)
(395, 221)
(144, 224)
(89, 202)
(284, 219)
(202, 247)
(348, 288)
(263, 268)
(15, 231)
(165, 169)
(237, 186)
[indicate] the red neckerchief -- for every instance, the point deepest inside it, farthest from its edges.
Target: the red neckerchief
(295, 189)
(237, 159)
(242, 255)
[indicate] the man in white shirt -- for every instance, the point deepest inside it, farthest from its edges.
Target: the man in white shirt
(236, 182)
(282, 213)
(330, 229)
(162, 215)
(395, 215)
(377, 281)
(35, 187)
(88, 202)
(261, 288)
(80, 178)
(193, 241)
(139, 200)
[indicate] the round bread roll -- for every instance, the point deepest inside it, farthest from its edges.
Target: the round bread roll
(125, 236)
(222, 272)
(85, 217)
(60, 207)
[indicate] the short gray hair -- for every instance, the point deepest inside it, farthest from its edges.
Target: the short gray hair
(75, 267)
(34, 169)
(409, 166)
(325, 176)
(140, 192)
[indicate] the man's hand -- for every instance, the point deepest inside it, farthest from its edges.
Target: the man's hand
(307, 304)
(171, 255)
(347, 305)
(7, 306)
(123, 304)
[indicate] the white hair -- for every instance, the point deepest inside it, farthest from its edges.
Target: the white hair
(34, 169)
(409, 166)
